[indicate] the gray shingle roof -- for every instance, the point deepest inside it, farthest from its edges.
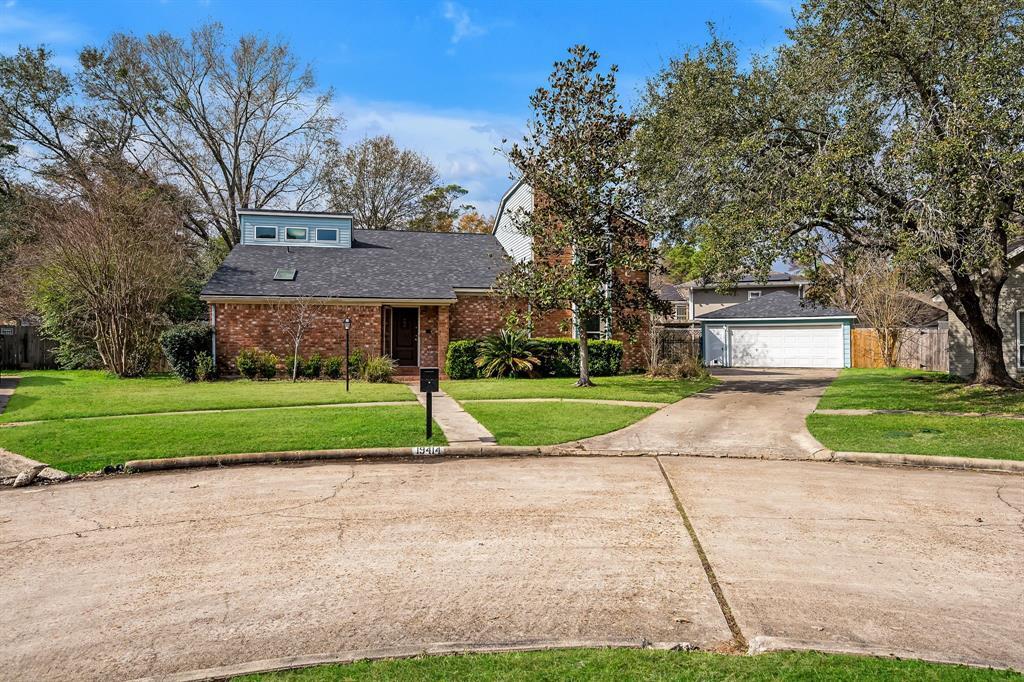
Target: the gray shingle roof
(380, 265)
(669, 292)
(779, 304)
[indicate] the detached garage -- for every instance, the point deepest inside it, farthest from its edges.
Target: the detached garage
(777, 330)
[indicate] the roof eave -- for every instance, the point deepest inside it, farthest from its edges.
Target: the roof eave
(823, 318)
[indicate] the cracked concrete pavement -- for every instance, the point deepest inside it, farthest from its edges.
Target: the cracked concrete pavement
(152, 574)
(757, 413)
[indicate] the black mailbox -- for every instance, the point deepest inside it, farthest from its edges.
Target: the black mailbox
(430, 379)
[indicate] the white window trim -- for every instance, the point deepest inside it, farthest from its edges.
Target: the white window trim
(265, 239)
(316, 235)
(296, 239)
(679, 312)
(753, 293)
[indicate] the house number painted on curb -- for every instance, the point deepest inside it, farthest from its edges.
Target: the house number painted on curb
(428, 450)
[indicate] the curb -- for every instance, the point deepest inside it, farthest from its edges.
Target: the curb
(442, 649)
(429, 451)
(1011, 466)
(763, 644)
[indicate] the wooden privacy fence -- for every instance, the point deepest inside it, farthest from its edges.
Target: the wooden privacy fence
(23, 348)
(672, 344)
(923, 348)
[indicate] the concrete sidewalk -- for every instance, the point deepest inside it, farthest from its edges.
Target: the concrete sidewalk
(459, 426)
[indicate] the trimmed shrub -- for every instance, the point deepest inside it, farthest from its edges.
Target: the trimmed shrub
(313, 366)
(299, 369)
(254, 363)
(182, 343)
(560, 357)
(334, 367)
(460, 360)
(206, 368)
(379, 370)
(356, 362)
(510, 353)
(268, 365)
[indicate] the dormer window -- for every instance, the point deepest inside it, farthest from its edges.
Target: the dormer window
(266, 233)
(326, 234)
(296, 234)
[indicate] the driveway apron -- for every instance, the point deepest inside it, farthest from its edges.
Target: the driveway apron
(753, 413)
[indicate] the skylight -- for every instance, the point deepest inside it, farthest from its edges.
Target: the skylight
(285, 274)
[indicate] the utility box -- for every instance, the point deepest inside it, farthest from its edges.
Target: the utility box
(430, 379)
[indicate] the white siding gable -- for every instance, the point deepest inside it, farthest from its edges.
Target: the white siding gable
(517, 245)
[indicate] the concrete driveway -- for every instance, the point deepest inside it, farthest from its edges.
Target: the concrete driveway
(752, 413)
(153, 574)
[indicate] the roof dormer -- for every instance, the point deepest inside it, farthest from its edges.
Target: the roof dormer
(266, 227)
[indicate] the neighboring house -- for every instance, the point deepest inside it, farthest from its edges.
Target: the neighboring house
(705, 298)
(678, 301)
(407, 294)
(777, 329)
(1011, 320)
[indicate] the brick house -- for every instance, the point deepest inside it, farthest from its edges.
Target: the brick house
(407, 294)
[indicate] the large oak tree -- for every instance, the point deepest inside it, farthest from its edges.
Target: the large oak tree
(892, 125)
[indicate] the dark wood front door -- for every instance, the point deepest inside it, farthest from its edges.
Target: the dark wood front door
(405, 324)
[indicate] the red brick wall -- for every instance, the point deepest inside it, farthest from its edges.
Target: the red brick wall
(263, 326)
(428, 336)
(473, 317)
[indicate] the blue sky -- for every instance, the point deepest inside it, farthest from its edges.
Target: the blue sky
(449, 79)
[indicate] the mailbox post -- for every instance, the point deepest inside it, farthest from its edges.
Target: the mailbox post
(430, 382)
(347, 322)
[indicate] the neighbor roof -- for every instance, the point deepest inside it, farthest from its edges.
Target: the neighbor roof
(380, 265)
(776, 305)
(670, 292)
(753, 281)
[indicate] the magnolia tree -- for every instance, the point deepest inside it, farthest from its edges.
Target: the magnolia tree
(891, 125)
(588, 246)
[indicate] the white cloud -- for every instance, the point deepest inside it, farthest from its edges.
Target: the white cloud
(461, 144)
(462, 25)
(25, 27)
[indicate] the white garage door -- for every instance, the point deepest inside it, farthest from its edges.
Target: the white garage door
(786, 346)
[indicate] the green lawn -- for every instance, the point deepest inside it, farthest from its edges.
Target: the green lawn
(905, 389)
(78, 446)
(64, 394)
(625, 387)
(921, 435)
(634, 664)
(552, 423)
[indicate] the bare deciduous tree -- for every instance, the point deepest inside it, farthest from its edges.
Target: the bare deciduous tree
(381, 184)
(231, 125)
(296, 319)
(117, 255)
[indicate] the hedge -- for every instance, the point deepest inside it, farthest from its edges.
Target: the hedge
(559, 357)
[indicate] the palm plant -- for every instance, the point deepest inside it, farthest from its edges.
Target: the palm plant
(508, 354)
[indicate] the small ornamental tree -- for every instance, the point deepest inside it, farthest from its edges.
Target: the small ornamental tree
(587, 245)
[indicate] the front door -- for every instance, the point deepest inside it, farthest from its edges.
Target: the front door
(405, 336)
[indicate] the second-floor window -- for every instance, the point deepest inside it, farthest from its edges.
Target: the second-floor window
(751, 295)
(265, 232)
(326, 234)
(680, 311)
(296, 233)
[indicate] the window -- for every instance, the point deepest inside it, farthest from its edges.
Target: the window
(326, 234)
(296, 233)
(751, 295)
(268, 232)
(1020, 339)
(680, 312)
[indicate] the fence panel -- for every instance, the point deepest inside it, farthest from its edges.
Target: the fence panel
(673, 344)
(923, 348)
(23, 348)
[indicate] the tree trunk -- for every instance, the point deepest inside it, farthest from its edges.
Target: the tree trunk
(989, 362)
(584, 360)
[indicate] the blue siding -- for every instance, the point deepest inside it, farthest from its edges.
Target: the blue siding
(282, 222)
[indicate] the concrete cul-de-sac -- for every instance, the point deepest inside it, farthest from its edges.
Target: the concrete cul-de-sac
(144, 575)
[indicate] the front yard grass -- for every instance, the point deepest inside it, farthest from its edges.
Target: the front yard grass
(905, 389)
(921, 435)
(638, 664)
(552, 423)
(61, 394)
(82, 445)
(623, 387)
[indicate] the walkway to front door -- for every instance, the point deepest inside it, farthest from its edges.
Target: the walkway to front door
(405, 336)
